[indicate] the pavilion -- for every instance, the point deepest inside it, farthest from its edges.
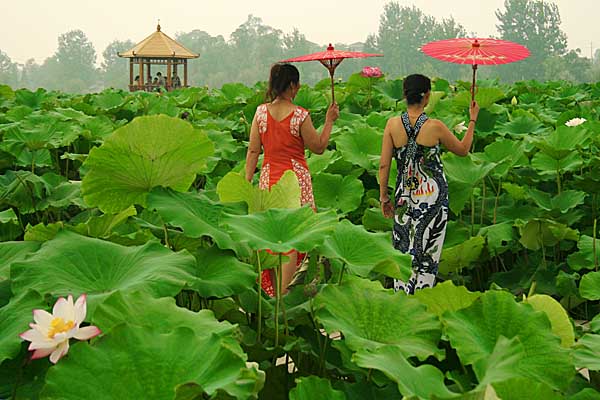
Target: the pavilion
(157, 49)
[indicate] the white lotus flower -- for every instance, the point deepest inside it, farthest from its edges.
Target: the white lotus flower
(51, 332)
(575, 122)
(460, 128)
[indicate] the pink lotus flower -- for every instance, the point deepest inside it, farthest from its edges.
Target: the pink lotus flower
(51, 332)
(371, 72)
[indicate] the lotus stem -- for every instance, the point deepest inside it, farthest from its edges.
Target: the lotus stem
(277, 300)
(259, 306)
(482, 204)
(594, 251)
(341, 273)
(166, 236)
(558, 184)
(497, 199)
(472, 211)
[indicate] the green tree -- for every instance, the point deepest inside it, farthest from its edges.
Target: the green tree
(257, 45)
(115, 70)
(535, 24)
(402, 32)
(75, 60)
(9, 73)
(216, 63)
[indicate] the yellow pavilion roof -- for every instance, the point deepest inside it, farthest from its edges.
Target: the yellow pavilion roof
(158, 45)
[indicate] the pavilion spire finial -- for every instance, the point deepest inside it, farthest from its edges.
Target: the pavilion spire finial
(158, 26)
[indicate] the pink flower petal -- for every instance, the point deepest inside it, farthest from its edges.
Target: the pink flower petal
(60, 351)
(80, 309)
(64, 309)
(87, 333)
(41, 353)
(42, 317)
(47, 344)
(32, 335)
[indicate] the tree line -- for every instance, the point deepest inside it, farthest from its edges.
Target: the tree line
(247, 55)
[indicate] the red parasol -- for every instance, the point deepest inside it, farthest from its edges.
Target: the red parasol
(476, 52)
(331, 58)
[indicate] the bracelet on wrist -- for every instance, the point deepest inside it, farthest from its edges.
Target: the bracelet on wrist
(473, 120)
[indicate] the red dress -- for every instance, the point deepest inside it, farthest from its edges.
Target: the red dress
(283, 150)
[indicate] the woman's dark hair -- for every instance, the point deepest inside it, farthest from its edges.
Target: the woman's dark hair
(415, 88)
(280, 79)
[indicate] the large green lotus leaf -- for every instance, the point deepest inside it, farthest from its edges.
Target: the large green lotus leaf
(14, 319)
(485, 97)
(10, 227)
(338, 192)
(285, 193)
(587, 352)
(423, 382)
(23, 190)
(589, 288)
(29, 98)
(310, 99)
(462, 255)
(369, 317)
(543, 232)
(281, 230)
(525, 389)
(135, 362)
(562, 202)
(502, 339)
(363, 251)
(557, 315)
(546, 165)
(595, 324)
(221, 274)
(373, 220)
(14, 251)
(313, 387)
(585, 394)
(446, 296)
(525, 124)
(40, 131)
(196, 214)
(498, 237)
(584, 258)
(505, 153)
(319, 163)
(464, 169)
(148, 152)
(563, 141)
(158, 315)
(75, 264)
(358, 143)
(102, 226)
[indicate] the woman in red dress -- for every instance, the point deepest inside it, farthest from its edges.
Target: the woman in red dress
(283, 130)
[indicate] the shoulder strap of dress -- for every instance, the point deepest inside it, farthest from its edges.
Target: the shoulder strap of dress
(298, 118)
(261, 118)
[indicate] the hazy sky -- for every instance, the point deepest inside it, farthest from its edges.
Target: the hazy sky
(30, 28)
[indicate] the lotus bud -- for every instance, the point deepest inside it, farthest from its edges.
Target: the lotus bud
(514, 101)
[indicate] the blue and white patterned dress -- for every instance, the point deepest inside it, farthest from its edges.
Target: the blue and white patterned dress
(421, 202)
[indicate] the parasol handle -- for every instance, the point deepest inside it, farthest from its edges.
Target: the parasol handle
(474, 83)
(331, 71)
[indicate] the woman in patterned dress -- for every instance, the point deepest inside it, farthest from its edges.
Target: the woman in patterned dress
(420, 203)
(283, 130)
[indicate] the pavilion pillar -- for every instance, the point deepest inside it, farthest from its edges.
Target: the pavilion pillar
(130, 72)
(169, 74)
(185, 82)
(141, 75)
(148, 75)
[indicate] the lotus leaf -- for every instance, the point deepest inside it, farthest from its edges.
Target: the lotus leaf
(373, 220)
(446, 296)
(587, 352)
(362, 251)
(357, 144)
(425, 381)
(525, 389)
(589, 288)
(543, 232)
(74, 264)
(338, 192)
(485, 97)
(369, 317)
(312, 387)
(503, 339)
(196, 214)
(563, 141)
(498, 237)
(284, 194)
(461, 256)
(149, 152)
(562, 202)
(14, 319)
(319, 163)
(584, 258)
(561, 324)
(14, 251)
(135, 362)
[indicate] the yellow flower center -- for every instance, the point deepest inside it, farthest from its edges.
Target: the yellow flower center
(58, 325)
